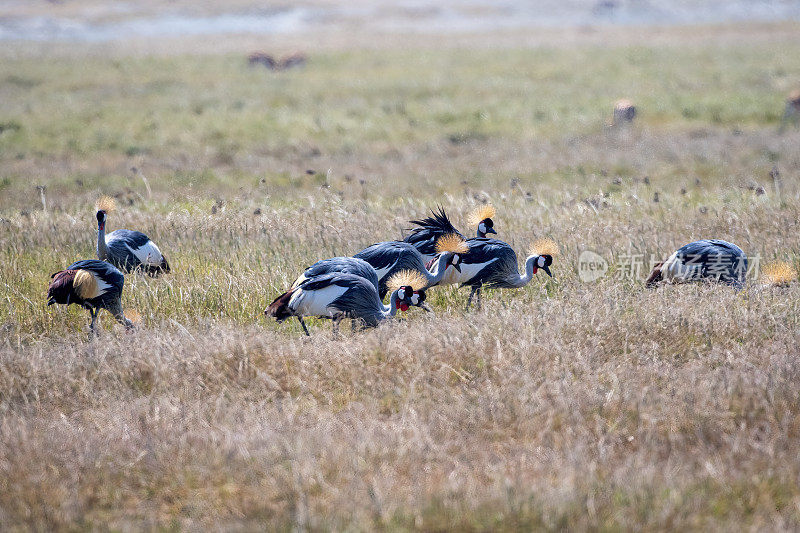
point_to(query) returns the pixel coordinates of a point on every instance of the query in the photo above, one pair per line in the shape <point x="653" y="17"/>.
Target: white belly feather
<point x="675" y="271"/>
<point x="316" y="302"/>
<point x="148" y="253"/>
<point x="468" y="271"/>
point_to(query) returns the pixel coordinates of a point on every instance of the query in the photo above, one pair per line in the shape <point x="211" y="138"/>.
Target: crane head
<point x="486" y="227"/>
<point x="482" y="217"/>
<point x="418" y="299"/>
<point x="104" y="206"/>
<point x="543" y="262"/>
<point x="101" y="219"/>
<point x="455" y="261"/>
<point x="408" y="297"/>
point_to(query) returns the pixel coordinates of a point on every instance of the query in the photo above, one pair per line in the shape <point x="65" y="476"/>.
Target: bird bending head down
<point x="482" y="217"/>
<point x="712" y="260"/>
<point x="454" y="244"/>
<point x="544" y="250"/>
<point x="408" y="285"/>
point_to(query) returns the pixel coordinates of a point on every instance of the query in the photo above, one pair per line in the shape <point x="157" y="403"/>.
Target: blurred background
<point x="104" y="21"/>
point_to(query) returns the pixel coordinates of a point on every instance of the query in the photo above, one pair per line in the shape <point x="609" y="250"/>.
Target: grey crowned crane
<point x="432" y="228"/>
<point x="493" y="263"/>
<point x="388" y="258"/>
<point x="708" y="259"/>
<point x="125" y="249"/>
<point x="344" y="265"/>
<point x="93" y="285"/>
<point x="338" y="296"/>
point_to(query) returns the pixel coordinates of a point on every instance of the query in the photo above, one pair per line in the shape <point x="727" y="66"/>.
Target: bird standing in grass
<point x="493" y="263"/>
<point x="707" y="259"/>
<point x="92" y="284"/>
<point x="125" y="249"/>
<point x="432" y="228"/>
<point x="388" y="258"/>
<point x="338" y="296"/>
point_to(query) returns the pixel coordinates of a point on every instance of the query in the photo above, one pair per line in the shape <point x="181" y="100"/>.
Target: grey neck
<point x="436" y="276"/>
<point x="521" y="281"/>
<point x="102" y="249"/>
<point x="392" y="306"/>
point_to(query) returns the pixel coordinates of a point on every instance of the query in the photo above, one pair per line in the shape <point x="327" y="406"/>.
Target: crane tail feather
<point x="279" y="308"/>
<point x="655" y="276"/>
<point x="61" y="287"/>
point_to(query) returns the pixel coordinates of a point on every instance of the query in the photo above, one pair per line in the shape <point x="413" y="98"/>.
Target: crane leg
<point x="478" y="305"/>
<point x="471" y="294"/>
<point x="92" y="330"/>
<point x="336" y="325"/>
<point x="304" y="326"/>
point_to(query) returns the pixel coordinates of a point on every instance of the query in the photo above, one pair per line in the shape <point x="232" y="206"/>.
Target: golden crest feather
<point x="779" y="273"/>
<point x="410" y="278"/>
<point x="452" y="242"/>
<point x="481" y="213"/>
<point x="544" y="246"/>
<point x="106" y="203"/>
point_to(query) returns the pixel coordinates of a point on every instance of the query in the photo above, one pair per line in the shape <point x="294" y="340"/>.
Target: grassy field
<point x="561" y="405"/>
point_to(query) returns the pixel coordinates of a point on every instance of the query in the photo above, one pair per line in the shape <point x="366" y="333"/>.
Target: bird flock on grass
<point x="434" y="253"/>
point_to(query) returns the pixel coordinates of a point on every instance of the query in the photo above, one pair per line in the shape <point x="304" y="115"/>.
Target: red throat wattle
<point x="404" y="307"/>
<point x="535" y="269"/>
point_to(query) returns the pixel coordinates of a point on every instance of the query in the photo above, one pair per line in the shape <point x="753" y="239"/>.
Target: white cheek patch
<point x="415" y="299"/>
<point x="482" y="227"/>
<point x="456" y="259"/>
<point x="401" y="294"/>
<point x="540" y="261"/>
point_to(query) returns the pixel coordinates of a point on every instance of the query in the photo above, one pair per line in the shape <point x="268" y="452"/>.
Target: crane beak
<point x="547" y="269"/>
<point x="491" y="230"/>
<point x="457" y="267"/>
<point x="426" y="307"/>
<point x="51" y="301"/>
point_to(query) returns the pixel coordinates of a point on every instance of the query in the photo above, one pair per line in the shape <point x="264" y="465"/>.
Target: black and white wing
<point x="128" y="250"/>
<point x="337" y="294"/>
<point x="110" y="280"/>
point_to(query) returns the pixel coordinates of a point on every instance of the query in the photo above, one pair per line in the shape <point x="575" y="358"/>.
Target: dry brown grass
<point x="561" y="405"/>
<point x="587" y="413"/>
